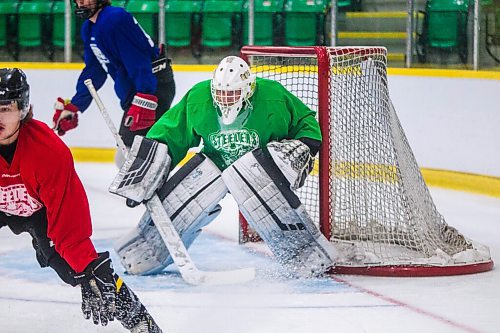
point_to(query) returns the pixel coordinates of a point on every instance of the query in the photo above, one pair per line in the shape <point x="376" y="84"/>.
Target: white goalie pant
<point x="277" y="215"/>
<point x="190" y="198"/>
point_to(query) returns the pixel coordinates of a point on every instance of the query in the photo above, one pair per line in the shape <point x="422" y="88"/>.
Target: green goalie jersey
<point x="275" y="114"/>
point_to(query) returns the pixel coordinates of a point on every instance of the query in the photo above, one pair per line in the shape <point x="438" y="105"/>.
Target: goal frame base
<point x="413" y="270"/>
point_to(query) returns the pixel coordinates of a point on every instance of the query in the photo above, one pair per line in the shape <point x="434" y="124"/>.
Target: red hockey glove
<point x="65" y="117"/>
<point x="142" y="112"/>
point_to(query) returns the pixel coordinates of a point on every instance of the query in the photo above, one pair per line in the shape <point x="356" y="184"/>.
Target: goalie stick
<point x="189" y="272"/>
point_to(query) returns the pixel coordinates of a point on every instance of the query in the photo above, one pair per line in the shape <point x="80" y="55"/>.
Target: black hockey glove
<point x="98" y="283"/>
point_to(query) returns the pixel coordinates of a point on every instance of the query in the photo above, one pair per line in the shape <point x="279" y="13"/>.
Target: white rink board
<point x="451" y="123"/>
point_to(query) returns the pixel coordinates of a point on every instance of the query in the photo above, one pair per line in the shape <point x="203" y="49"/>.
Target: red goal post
<point x="366" y="194"/>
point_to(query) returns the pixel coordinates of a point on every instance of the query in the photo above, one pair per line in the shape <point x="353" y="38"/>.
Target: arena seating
<point x="444" y="28"/>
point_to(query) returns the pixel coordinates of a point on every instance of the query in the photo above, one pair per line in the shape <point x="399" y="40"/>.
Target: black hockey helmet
<point x="88" y="12"/>
<point x="14" y="87"/>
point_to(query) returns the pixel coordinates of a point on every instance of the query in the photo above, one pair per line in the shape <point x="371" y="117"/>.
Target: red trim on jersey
<point x="43" y="164"/>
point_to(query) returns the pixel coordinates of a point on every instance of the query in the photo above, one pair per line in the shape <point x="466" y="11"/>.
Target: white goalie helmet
<point x="232" y="85"/>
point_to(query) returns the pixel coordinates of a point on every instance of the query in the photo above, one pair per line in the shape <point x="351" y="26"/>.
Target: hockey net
<point x="367" y="193"/>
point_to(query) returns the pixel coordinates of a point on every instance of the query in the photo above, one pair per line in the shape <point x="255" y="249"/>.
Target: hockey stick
<point x="189" y="272"/>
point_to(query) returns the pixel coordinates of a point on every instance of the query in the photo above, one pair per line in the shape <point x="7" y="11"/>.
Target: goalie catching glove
<point x="293" y="158"/>
<point x="65" y="116"/>
<point x="144" y="171"/>
<point x="142" y="112"/>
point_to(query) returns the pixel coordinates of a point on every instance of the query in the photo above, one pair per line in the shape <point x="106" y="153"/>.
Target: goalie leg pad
<point x="190" y="198"/>
<point x="277" y="215"/>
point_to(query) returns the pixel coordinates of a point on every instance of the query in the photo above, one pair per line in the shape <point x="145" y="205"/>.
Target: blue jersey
<point x="116" y="45"/>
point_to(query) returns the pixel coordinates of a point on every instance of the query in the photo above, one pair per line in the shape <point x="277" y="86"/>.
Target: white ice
<point x="34" y="300"/>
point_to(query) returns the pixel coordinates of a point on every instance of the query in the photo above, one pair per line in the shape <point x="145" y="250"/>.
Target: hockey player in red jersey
<point x="40" y="193"/>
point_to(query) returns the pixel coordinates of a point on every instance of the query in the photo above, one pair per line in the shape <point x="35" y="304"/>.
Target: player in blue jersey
<point x="115" y="44"/>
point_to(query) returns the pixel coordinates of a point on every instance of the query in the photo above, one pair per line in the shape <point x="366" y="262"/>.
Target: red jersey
<point x="42" y="174"/>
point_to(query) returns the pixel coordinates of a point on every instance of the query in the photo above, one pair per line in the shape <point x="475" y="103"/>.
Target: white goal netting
<point x="367" y="193"/>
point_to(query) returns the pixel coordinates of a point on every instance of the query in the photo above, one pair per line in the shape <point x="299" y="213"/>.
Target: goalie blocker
<point x="145" y="169"/>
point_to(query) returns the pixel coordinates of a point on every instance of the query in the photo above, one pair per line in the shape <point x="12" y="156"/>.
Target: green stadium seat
<point x="266" y="21"/>
<point x="180" y="16"/>
<point x="146" y="13"/>
<point x="30" y="29"/>
<point x="58" y="25"/>
<point x="447" y="22"/>
<point x="221" y="18"/>
<point x="304" y="22"/>
<point x="444" y="27"/>
<point x="7" y="10"/>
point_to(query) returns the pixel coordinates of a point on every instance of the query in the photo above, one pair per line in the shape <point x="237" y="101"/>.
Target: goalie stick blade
<point x="190" y="273"/>
<point x="197" y="277"/>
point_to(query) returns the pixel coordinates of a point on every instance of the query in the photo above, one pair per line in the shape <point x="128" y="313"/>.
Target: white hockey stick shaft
<point x="189" y="272"/>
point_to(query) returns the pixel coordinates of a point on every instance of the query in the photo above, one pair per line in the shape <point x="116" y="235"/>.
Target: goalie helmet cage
<point x="368" y="197"/>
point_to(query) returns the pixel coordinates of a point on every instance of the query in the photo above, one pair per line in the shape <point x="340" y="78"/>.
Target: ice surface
<point x="34" y="300"/>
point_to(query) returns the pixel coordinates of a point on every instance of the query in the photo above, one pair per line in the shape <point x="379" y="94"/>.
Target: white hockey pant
<point x="277" y="215"/>
<point x="190" y="198"/>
